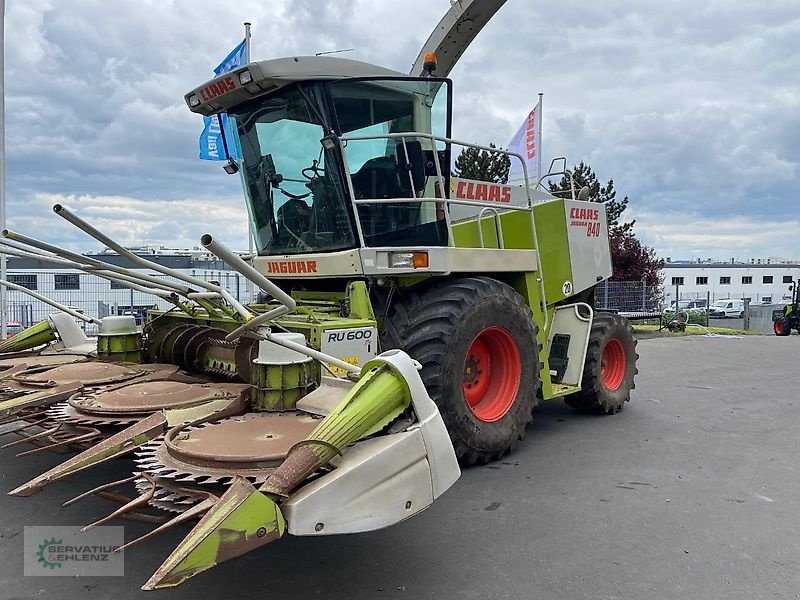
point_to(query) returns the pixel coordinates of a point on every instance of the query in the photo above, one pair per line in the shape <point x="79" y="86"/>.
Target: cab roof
<point x="233" y="88"/>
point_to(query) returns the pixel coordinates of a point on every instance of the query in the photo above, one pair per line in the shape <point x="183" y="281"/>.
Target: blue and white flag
<point x="211" y="142"/>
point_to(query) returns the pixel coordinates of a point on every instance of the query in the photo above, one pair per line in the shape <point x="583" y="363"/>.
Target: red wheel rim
<point x="612" y="365"/>
<point x="492" y="371"/>
<point x="778" y="327"/>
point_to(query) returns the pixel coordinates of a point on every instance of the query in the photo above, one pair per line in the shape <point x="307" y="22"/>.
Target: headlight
<point x="408" y="260"/>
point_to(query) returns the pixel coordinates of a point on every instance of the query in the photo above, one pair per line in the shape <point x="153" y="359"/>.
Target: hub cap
<point x="612" y="365"/>
<point x="492" y="371"/>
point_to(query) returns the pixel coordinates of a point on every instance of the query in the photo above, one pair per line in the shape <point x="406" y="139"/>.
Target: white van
<point x="727" y="308"/>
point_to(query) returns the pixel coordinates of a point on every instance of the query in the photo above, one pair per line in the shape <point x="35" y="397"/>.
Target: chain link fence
<point x="633" y="299"/>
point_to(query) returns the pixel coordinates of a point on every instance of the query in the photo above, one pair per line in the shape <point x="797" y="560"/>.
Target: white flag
<point x="526" y="142"/>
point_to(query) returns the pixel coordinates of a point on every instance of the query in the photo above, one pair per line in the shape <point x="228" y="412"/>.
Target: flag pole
<point x="250" y="241"/>
<point x="539" y="145"/>
<point x="247" y="41"/>
<point x="3" y="297"/>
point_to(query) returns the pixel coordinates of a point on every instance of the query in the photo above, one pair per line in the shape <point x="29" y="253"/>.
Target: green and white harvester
<point x="409" y="320"/>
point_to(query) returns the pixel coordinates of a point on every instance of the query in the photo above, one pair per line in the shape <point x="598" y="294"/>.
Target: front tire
<point x="476" y="340"/>
<point x="610" y="367"/>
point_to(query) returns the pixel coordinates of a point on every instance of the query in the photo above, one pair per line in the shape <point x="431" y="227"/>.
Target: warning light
<point x="429" y="63"/>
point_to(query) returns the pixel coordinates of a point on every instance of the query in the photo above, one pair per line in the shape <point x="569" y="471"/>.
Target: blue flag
<point x="211" y="142"/>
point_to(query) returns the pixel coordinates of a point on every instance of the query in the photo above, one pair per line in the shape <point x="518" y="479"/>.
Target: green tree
<point x="483" y="165"/>
<point x="582" y="175"/>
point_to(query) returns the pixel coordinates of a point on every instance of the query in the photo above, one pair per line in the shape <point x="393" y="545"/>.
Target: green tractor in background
<point x="788" y="318"/>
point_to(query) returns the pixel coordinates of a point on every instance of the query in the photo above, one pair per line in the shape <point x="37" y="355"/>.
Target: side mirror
<point x="410" y="166"/>
<point x="791" y="288"/>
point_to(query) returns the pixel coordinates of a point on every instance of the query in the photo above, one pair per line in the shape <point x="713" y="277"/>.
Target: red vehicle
<point x="13" y="328"/>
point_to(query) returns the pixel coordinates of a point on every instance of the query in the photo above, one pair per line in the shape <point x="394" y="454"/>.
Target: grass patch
<point x="692" y="330"/>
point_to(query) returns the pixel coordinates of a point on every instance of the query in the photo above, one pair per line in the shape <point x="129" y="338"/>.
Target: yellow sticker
<point x="353" y="360"/>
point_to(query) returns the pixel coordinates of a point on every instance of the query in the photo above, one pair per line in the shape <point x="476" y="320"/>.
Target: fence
<point x="99" y="298"/>
<point x="634" y="299"/>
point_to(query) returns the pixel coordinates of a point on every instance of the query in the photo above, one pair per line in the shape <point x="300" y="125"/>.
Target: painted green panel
<point x="516" y="227"/>
<point x="551" y="229"/>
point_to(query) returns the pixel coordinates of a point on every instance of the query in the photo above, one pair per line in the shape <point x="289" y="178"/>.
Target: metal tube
<point x="260" y="319"/>
<point x="17" y="246"/>
<point x="315" y="354"/>
<point x="446" y="200"/>
<point x="248" y="316"/>
<point x="236" y="263"/>
<point x="52" y="303"/>
<point x="165" y="292"/>
<point x="104" y="239"/>
<point x="98" y="264"/>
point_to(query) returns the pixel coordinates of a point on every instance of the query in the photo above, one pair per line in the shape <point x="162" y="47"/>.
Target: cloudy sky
<point x="692" y="108"/>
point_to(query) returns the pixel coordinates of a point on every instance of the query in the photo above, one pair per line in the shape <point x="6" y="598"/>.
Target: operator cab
<point x="311" y="148"/>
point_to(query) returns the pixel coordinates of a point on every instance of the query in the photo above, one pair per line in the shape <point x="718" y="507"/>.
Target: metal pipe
<point x="236" y="263"/>
<point x="315" y="354"/>
<point x="53" y="303"/>
<point x="12" y="251"/>
<point x="18" y="246"/>
<point x="103" y="266"/>
<point x="259" y="320"/>
<point x="131" y="282"/>
<point x="104" y="239"/>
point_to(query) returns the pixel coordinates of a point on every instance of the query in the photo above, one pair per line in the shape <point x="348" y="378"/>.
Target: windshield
<point x="721" y="303"/>
<point x="294" y="193"/>
<point x="375" y="108"/>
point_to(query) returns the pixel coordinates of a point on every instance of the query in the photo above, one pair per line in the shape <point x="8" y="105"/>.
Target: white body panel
<point x="329" y="264"/>
<point x="384" y="480"/>
<point x="587" y="235"/>
<point x="369" y="489"/>
<point x="569" y="321"/>
<point x="356" y="346"/>
<point x="72" y="337"/>
<point x="375" y="261"/>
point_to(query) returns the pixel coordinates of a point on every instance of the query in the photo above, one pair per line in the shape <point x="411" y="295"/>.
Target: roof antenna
<point x="334" y="51"/>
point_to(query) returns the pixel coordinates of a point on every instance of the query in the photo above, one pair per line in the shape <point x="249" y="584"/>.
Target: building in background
<point x="762" y="281"/>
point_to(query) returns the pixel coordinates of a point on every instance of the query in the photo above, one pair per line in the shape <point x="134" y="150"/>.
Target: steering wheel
<point x="315" y="170"/>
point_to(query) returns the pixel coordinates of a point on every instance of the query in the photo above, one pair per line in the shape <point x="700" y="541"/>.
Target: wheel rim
<point x="778" y="328"/>
<point x="492" y="371"/>
<point x="612" y="364"/>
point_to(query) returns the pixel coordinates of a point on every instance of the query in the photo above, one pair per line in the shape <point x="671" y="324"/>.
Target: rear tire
<point x="782" y="326"/>
<point x="476" y="340"/>
<point x="610" y="367"/>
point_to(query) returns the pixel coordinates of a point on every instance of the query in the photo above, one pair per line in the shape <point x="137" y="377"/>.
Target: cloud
<point x="681" y="235"/>
<point x="690" y="108"/>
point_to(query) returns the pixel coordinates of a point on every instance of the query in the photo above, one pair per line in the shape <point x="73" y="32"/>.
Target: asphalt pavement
<point x="692" y="492"/>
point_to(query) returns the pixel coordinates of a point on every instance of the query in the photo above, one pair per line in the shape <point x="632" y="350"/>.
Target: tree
<point x="633" y="261"/>
<point x="582" y="175"/>
<point x="483" y="165"/>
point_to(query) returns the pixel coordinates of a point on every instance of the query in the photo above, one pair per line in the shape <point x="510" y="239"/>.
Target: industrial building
<point x="761" y="281"/>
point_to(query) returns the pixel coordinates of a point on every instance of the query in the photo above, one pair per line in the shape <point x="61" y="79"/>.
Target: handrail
<point x="497" y="226"/>
<point x="440" y="179"/>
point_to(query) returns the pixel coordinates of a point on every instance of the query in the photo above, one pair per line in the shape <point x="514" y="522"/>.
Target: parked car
<point x="686" y="305"/>
<point x="727" y="308"/>
<point x="13" y="328"/>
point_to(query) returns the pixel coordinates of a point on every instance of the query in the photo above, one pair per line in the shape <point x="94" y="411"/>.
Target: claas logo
<point x="491" y="192"/>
